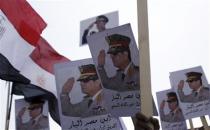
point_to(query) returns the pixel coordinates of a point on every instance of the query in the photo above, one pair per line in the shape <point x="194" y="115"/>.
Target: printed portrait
<point x="96" y="24"/>
<point x="31" y="115"/>
<point x="192" y="90"/>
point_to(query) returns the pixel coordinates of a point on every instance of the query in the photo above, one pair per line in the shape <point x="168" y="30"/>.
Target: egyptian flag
<point x="20" y="29"/>
<point x="12" y="45"/>
<point x="9" y="73"/>
<point x="39" y="66"/>
<point x="24" y="18"/>
<point x="32" y="92"/>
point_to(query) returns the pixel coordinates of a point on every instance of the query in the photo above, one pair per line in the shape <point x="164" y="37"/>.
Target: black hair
<point x="103" y="17"/>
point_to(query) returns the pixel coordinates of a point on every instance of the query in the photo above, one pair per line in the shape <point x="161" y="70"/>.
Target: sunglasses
<point x="90" y="78"/>
<point x="192" y="80"/>
<point x="100" y="20"/>
<point x="171" y="101"/>
<point x="114" y="53"/>
<point x="32" y="108"/>
<point x="85" y="80"/>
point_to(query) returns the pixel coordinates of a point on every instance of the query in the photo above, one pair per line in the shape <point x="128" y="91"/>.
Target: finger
<point x="103" y="51"/>
<point x="73" y="79"/>
<point x="155" y="123"/>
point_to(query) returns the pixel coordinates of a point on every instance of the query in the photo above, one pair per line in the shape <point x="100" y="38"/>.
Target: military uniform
<point x="117" y="83"/>
<point x="85" y="34"/>
<point x="122" y="81"/>
<point x="175" y="116"/>
<point x="88" y="106"/>
<point x="85" y="108"/>
<point x="40" y="124"/>
<point x="201" y="95"/>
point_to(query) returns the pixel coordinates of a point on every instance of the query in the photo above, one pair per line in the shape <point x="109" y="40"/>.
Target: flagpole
<point x="8" y="92"/>
<point x="8" y="106"/>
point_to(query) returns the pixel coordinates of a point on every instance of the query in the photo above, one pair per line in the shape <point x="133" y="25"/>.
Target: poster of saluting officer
<point x="31" y="115"/>
<point x="116" y="57"/>
<point x="193" y="91"/>
<point x="80" y="97"/>
<point x="170" y="112"/>
<point x="97" y="24"/>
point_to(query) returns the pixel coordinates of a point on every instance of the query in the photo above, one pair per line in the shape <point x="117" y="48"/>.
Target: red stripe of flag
<point x="24" y="18"/>
<point x="39" y="66"/>
<point x="45" y="56"/>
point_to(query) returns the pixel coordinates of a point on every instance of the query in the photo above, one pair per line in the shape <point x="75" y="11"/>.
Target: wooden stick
<point x="191" y="124"/>
<point x="204" y="122"/>
<point x="145" y="79"/>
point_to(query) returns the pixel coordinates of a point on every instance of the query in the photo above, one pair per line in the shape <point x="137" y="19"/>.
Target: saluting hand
<point x="181" y="84"/>
<point x="162" y="105"/>
<point x="21" y="112"/>
<point x="67" y="87"/>
<point x="101" y="58"/>
<point x="91" y="25"/>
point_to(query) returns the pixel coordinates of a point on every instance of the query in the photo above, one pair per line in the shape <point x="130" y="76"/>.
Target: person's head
<point x="194" y="80"/>
<point x="101" y="21"/>
<point x="119" y="50"/>
<point x="89" y="81"/>
<point x="172" y="100"/>
<point x="35" y="108"/>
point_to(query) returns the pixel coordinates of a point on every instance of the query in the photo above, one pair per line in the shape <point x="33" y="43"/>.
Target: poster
<point x="96" y="24"/>
<point x="31" y="115"/>
<point x="116" y="57"/>
<point x="171" y="115"/>
<point x="81" y="98"/>
<point x="192" y="89"/>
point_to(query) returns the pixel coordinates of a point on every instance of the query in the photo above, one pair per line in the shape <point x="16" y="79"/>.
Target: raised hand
<point x="162" y="105"/>
<point x="21" y="112"/>
<point x="91" y="25"/>
<point x="101" y="58"/>
<point x="67" y="87"/>
<point x="181" y="84"/>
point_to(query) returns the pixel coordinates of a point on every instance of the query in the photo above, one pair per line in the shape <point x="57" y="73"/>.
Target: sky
<point x="179" y="33"/>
